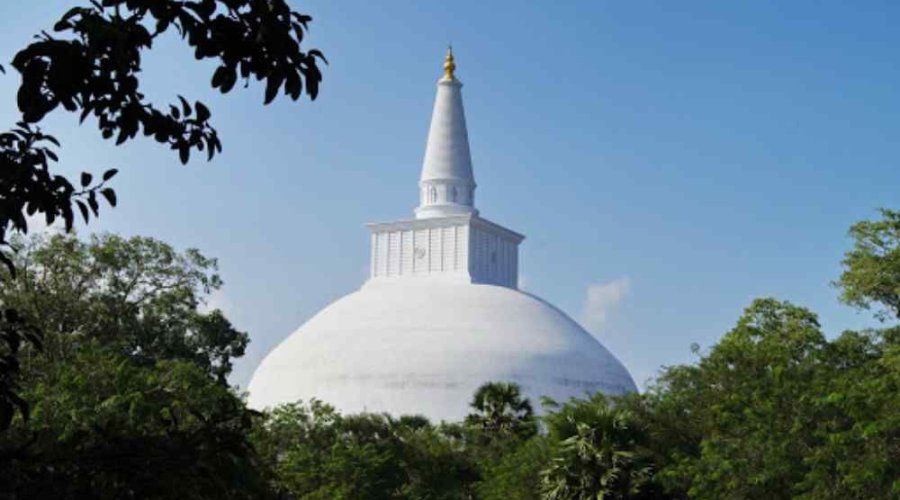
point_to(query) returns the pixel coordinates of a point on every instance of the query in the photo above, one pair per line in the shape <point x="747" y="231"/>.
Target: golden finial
<point x="449" y="65"/>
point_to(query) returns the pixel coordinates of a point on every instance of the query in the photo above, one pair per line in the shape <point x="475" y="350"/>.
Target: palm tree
<point x="501" y="410"/>
<point x="599" y="455"/>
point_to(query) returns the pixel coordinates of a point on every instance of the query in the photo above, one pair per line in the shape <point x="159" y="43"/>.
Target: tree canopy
<point x="131" y="400"/>
<point x="91" y="64"/>
<point x="137" y="295"/>
<point x="104" y="426"/>
<point x="600" y="452"/>
<point x="871" y="274"/>
<point x="500" y="410"/>
<point x="129" y="393"/>
<point x="317" y="453"/>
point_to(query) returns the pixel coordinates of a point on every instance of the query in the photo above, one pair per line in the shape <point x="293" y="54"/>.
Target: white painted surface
<point x="431" y="324"/>
<point x="447" y="184"/>
<point x="424" y="346"/>
<point x="464" y="248"/>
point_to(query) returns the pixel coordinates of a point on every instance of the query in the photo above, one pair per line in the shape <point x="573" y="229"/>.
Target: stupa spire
<point x="447" y="185"/>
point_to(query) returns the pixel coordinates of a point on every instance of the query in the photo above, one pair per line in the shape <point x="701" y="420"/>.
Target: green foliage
<point x="316" y="453"/>
<point x="437" y="465"/>
<point x="776" y="411"/>
<point x="750" y="391"/>
<point x="871" y="274"/>
<point x="137" y="295"/>
<point x="131" y="401"/>
<point x="501" y="412"/>
<point x="326" y="455"/>
<point x="599" y="453"/>
<point x="104" y="426"/>
<point x="516" y="473"/>
<point x="15" y="333"/>
<point x="496" y="435"/>
<point x="91" y="65"/>
<point x="129" y="397"/>
<point x="856" y="425"/>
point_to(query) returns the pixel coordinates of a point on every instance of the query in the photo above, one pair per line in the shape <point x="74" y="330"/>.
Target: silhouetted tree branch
<point x="91" y="65"/>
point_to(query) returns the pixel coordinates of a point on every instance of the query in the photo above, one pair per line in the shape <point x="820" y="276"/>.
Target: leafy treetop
<point x="871" y="274"/>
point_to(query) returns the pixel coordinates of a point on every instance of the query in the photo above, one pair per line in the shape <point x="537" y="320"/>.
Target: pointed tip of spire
<point x="449" y="65"/>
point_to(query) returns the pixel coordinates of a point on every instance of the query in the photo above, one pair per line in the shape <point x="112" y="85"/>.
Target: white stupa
<point x="441" y="313"/>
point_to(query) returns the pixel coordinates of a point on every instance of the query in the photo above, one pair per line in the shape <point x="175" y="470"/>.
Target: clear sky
<point x="667" y="161"/>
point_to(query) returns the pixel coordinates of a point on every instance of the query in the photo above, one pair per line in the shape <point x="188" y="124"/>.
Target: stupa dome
<point x="441" y="313"/>
<point x="420" y="347"/>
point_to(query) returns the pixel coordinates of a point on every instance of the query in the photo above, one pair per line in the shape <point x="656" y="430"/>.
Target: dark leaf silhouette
<point x="203" y="113"/>
<point x="110" y="196"/>
<point x="84" y="210"/>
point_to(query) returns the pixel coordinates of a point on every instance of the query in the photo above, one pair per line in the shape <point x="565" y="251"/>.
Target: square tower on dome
<point x="447" y="239"/>
<point x="467" y="248"/>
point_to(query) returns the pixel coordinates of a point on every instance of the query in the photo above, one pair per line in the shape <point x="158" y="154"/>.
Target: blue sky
<point x="677" y="159"/>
